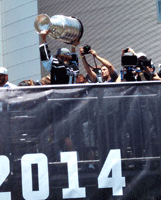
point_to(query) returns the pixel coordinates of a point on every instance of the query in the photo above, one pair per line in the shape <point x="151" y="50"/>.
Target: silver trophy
<point x="66" y="29"/>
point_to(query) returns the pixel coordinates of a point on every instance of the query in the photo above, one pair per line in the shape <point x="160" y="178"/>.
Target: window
<point x="159" y="9"/>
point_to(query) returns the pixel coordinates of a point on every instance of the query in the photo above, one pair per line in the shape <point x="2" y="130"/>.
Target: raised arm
<point x="103" y="61"/>
<point x="76" y="43"/>
<point x="87" y="67"/>
<point x="45" y="55"/>
<point x="43" y="35"/>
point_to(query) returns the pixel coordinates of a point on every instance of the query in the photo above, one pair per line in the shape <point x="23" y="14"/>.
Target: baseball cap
<point x="3" y="70"/>
<point x="63" y="51"/>
<point x="141" y="54"/>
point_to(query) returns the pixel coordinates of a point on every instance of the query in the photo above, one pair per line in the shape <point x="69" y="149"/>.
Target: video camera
<point x="159" y="73"/>
<point x="143" y="63"/>
<point x="131" y="65"/>
<point x="130" y="60"/>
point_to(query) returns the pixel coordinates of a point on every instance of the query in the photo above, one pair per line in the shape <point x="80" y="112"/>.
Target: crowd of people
<point x="63" y="67"/>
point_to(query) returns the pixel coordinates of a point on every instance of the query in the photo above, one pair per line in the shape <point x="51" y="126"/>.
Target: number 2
<point x="4" y="172"/>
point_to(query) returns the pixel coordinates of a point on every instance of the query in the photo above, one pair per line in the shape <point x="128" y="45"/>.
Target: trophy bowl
<point x="66" y="29"/>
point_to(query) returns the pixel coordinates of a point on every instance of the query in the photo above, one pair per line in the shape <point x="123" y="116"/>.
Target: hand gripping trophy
<point x="66" y="29"/>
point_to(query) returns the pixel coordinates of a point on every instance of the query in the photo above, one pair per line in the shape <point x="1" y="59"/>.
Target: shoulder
<point x="43" y="45"/>
<point x="10" y="85"/>
<point x="114" y="76"/>
<point x="55" y="61"/>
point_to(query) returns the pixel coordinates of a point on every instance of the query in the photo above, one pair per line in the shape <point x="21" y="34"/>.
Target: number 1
<point x="74" y="191"/>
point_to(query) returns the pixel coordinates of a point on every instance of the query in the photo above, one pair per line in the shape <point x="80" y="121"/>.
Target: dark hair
<point x="27" y="83"/>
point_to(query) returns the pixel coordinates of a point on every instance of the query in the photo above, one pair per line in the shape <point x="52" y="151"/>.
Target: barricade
<point x="87" y="141"/>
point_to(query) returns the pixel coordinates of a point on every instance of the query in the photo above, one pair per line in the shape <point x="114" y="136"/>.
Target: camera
<point x="129" y="62"/>
<point x="86" y="49"/>
<point x="159" y="73"/>
<point x="143" y="63"/>
<point x="128" y="59"/>
<point x="132" y="66"/>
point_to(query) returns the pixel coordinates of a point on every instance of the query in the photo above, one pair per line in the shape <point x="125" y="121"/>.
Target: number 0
<point x="43" y="177"/>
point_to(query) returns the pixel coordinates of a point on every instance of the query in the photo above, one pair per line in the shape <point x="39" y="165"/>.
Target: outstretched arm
<point x="103" y="61"/>
<point x="76" y="43"/>
<point x="87" y="67"/>
<point x="43" y="35"/>
<point x="45" y="55"/>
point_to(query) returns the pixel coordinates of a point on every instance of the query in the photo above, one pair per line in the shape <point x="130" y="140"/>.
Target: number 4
<point x="116" y="182"/>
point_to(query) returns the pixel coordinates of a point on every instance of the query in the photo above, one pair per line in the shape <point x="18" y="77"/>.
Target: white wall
<point x="19" y="39"/>
<point x="1" y="44"/>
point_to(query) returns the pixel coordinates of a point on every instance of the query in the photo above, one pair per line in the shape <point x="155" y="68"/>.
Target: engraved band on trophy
<point x="66" y="29"/>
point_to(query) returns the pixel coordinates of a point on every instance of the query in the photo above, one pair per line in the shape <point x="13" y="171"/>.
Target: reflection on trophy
<point x="66" y="29"/>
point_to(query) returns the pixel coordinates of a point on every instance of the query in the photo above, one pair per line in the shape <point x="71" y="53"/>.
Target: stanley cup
<point x="66" y="29"/>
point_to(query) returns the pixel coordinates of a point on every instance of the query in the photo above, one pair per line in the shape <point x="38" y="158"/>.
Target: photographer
<point x="137" y="67"/>
<point x="158" y="74"/>
<point x="108" y="72"/>
<point x="63" y="66"/>
<point x="146" y="67"/>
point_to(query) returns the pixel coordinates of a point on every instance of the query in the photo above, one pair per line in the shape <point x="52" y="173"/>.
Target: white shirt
<point x="10" y="85"/>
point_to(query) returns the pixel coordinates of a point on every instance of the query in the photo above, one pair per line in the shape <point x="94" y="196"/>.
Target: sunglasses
<point x="65" y="58"/>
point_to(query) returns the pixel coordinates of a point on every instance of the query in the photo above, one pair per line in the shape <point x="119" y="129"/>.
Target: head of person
<point x="46" y="80"/>
<point x="147" y="62"/>
<point x="63" y="55"/>
<point x="29" y="82"/>
<point x="3" y="76"/>
<point x="105" y="72"/>
<point x="80" y="79"/>
<point x="141" y="55"/>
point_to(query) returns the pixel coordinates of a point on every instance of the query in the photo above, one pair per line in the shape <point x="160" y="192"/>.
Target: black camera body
<point x="128" y="59"/>
<point x="159" y="72"/>
<point x="86" y="49"/>
<point x="131" y="65"/>
<point x="143" y="63"/>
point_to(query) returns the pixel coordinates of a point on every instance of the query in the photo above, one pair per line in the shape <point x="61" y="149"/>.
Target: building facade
<point x="18" y="40"/>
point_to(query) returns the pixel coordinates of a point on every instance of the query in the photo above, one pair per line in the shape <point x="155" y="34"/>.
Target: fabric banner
<point x="89" y="141"/>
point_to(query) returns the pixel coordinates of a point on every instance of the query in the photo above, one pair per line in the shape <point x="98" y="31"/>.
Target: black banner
<point x="91" y="141"/>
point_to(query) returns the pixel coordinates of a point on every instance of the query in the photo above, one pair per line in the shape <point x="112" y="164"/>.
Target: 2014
<point x="112" y="162"/>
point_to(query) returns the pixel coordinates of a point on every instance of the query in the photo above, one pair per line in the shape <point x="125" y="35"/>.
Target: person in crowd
<point x="108" y="72"/>
<point x="143" y="70"/>
<point x="4" y="78"/>
<point x="97" y="70"/>
<point x="63" y="66"/>
<point x="81" y="79"/>
<point x="66" y="144"/>
<point x="29" y="82"/>
<point x="46" y="80"/>
<point x="148" y="73"/>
